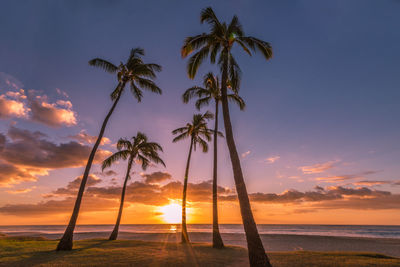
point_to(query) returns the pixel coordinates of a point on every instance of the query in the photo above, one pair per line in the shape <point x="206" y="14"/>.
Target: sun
<point x="171" y="213"/>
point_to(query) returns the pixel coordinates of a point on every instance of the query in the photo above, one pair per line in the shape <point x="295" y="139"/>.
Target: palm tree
<point x="139" y="75"/>
<point x="199" y="134"/>
<point x="138" y="149"/>
<point x="217" y="44"/>
<point x="212" y="91"/>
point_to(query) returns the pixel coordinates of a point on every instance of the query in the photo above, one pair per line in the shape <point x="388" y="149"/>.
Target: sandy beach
<point x="272" y="242"/>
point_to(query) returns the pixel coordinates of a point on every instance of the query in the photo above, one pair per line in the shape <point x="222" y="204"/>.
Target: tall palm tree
<point x="217" y="44"/>
<point x="138" y="148"/>
<point x="212" y="91"/>
<point x="138" y="75"/>
<point x="199" y="134"/>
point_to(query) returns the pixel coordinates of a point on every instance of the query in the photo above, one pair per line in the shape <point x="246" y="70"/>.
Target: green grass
<point x="99" y="252"/>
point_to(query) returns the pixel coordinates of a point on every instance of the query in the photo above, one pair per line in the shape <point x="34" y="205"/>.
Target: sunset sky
<point x="319" y="138"/>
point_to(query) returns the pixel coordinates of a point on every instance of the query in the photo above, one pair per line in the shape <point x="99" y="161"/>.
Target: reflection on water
<point x="172" y="228"/>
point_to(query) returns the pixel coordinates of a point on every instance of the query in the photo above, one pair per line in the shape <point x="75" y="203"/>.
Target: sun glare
<point x="171" y="213"/>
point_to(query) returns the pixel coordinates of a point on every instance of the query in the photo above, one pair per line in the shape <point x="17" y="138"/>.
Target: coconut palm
<point x="139" y="76"/>
<point x="211" y="90"/>
<point x="138" y="149"/>
<point x="199" y="135"/>
<point x="217" y="45"/>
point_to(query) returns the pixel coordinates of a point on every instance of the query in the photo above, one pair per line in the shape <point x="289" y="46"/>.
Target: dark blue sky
<point x="330" y="93"/>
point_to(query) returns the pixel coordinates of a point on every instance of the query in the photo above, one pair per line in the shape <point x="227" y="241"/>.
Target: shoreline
<point x="272" y="242"/>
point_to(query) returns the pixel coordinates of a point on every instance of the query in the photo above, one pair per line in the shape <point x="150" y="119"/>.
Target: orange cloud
<point x="84" y="138"/>
<point x="52" y="114"/>
<point x="272" y="159"/>
<point x="10" y="108"/>
<point x="21" y="191"/>
<point x="318" y="168"/>
<point x="341" y="178"/>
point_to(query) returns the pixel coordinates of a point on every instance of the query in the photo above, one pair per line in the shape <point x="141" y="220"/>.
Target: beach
<point x="39" y="251"/>
<point x="272" y="242"/>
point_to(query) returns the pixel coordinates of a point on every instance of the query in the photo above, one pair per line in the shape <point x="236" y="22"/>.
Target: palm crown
<point x="137" y="148"/>
<point x="211" y="90"/>
<point x="135" y="72"/>
<point x="197" y="130"/>
<point x="218" y="43"/>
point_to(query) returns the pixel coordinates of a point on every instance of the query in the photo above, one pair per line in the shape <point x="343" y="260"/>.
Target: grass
<point x="99" y="252"/>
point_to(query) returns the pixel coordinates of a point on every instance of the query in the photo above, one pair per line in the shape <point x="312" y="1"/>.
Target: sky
<point x="319" y="136"/>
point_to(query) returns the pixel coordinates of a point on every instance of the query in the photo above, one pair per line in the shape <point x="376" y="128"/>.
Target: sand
<point x="272" y="242"/>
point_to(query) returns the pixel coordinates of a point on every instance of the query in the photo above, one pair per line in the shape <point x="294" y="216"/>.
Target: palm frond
<point x="148" y="85"/>
<point x="137" y="93"/>
<point x="136" y="53"/>
<point x="202" y="102"/>
<point x="257" y="44"/>
<point x="180" y="137"/>
<point x="180" y="130"/>
<point x="208" y="15"/>
<point x="203" y="144"/>
<point x="123" y="143"/>
<point x="208" y="115"/>
<point x="235" y="98"/>
<point x="190" y="93"/>
<point x="235" y="28"/>
<point x="122" y="154"/>
<point x="193" y="43"/>
<point x="196" y="60"/>
<point x="103" y="64"/>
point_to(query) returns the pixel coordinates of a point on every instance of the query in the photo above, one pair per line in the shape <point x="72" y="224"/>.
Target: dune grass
<point x="99" y="252"/>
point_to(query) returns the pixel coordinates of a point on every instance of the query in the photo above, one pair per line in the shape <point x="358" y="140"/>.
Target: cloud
<point x="156" y="177"/>
<point x="64" y="103"/>
<point x="10" y="174"/>
<point x="12" y="108"/>
<point x="318" y="168"/>
<point x="14" y="103"/>
<point x="245" y="154"/>
<point x="272" y="159"/>
<point x="51" y="114"/>
<point x="84" y="138"/>
<point x="21" y="191"/>
<point x="25" y="155"/>
<point x="372" y="183"/>
<point x="62" y="93"/>
<point x="331" y="197"/>
<point x="72" y="187"/>
<point x="344" y="177"/>
<point x="33" y="149"/>
<point x="56" y="207"/>
<point x="109" y="173"/>
<point x="9" y="82"/>
<point x="103" y="198"/>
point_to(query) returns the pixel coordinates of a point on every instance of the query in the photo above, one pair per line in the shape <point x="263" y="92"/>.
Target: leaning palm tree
<point x="199" y="134"/>
<point x="139" y="76"/>
<point x="139" y="149"/>
<point x="217" y="44"/>
<point x="212" y="91"/>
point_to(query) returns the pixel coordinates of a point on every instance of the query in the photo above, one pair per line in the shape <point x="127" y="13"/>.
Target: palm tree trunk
<point x="114" y="233"/>
<point x="257" y="255"/>
<point x="185" y="236"/>
<point x="66" y="240"/>
<point x="217" y="239"/>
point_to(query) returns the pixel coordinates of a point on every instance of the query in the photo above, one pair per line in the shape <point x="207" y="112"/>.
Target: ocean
<point x="372" y="231"/>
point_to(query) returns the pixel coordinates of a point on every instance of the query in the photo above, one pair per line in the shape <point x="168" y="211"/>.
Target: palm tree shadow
<point x="42" y="257"/>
